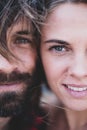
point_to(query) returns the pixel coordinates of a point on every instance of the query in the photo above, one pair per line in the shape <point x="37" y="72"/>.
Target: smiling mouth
<point x="76" y="89"/>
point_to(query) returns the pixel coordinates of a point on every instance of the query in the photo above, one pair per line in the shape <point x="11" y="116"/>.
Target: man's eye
<point x="21" y="40"/>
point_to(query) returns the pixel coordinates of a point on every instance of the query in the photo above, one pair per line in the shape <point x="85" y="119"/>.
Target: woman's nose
<point x="78" y="66"/>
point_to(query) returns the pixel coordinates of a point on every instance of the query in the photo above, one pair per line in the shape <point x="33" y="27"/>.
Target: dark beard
<point x="12" y="103"/>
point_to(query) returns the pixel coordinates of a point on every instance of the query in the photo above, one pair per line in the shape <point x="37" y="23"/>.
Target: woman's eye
<point x="59" y="48"/>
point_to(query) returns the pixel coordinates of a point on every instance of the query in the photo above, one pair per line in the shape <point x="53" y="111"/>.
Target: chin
<point x="12" y="103"/>
<point x="76" y="107"/>
<point x="11" y="110"/>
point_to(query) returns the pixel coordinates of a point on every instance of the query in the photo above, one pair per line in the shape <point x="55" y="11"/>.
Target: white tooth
<point x="77" y="89"/>
<point x="69" y="87"/>
<point x="84" y="88"/>
<point x="81" y="89"/>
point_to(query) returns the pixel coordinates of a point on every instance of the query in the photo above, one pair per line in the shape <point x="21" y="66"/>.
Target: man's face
<point x="16" y="76"/>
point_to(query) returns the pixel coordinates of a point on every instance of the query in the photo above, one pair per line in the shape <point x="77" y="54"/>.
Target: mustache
<point x="14" y="76"/>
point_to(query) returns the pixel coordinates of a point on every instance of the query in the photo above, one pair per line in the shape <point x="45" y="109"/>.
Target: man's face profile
<point x="16" y="76"/>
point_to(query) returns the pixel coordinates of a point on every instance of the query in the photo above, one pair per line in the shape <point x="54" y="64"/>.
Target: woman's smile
<point x="64" y="54"/>
<point x="77" y="91"/>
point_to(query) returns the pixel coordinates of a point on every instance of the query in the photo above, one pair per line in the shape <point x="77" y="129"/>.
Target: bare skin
<point x="64" y="58"/>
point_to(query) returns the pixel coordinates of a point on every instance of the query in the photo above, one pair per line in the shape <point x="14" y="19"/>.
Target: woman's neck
<point x="65" y="119"/>
<point x="76" y="119"/>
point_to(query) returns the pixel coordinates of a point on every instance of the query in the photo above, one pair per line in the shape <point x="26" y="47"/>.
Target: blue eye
<point x="22" y="40"/>
<point x="59" y="48"/>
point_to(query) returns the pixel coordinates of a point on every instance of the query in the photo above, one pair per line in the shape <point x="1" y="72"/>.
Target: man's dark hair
<point x="12" y="11"/>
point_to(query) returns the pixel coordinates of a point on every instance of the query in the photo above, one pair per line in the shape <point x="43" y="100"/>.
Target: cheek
<point x="54" y="65"/>
<point x="28" y="61"/>
<point x="55" y="68"/>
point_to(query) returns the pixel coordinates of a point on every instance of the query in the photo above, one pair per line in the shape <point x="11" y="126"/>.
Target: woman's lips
<point x="77" y="88"/>
<point x="76" y="91"/>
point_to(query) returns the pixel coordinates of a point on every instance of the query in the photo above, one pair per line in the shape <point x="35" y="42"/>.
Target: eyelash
<point x="59" y="48"/>
<point x="22" y="40"/>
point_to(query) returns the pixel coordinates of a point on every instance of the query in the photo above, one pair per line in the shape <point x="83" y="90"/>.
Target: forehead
<point x="67" y="19"/>
<point x="19" y="25"/>
<point x="69" y="12"/>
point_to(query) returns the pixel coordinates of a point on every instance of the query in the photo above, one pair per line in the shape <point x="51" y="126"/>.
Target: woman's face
<point x="64" y="54"/>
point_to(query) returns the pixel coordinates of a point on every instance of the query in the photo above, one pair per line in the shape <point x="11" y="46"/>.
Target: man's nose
<point x="6" y="66"/>
<point x="78" y="66"/>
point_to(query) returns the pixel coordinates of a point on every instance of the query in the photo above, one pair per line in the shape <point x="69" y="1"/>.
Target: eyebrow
<point x="23" y="32"/>
<point x="57" y="41"/>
